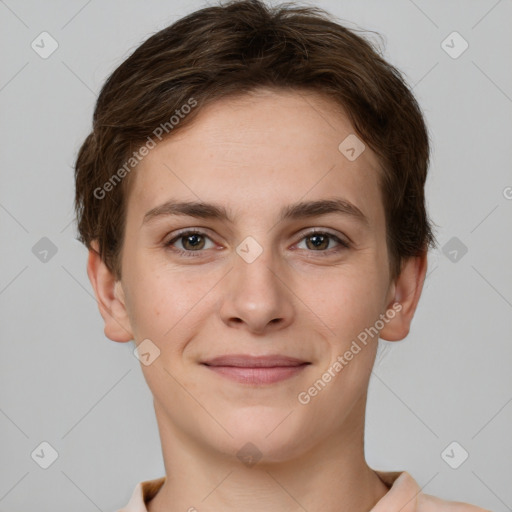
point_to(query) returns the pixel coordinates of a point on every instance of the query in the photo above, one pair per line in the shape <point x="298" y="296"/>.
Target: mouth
<point x="256" y="370"/>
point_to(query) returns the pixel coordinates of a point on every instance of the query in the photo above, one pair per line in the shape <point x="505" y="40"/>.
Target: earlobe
<point x="109" y="296"/>
<point x="408" y="287"/>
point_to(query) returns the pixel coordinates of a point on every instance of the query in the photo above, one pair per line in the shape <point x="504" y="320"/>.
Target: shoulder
<point x="406" y="495"/>
<point x="144" y="491"/>
<point x="428" y="503"/>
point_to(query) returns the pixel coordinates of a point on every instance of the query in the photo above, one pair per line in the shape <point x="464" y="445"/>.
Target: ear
<point x="110" y="297"/>
<point x="405" y="291"/>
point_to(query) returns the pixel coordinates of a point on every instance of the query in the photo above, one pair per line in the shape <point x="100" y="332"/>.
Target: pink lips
<point x="256" y="370"/>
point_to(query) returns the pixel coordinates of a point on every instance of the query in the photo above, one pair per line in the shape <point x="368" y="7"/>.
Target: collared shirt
<point x="404" y="495"/>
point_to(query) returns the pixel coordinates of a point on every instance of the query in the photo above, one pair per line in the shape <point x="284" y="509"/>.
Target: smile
<point x="258" y="375"/>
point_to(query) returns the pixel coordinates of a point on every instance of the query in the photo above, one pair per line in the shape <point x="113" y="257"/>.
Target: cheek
<point x="165" y="303"/>
<point x="347" y="301"/>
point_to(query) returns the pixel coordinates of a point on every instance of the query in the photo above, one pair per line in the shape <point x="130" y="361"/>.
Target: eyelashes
<point x="186" y="234"/>
<point x="197" y="239"/>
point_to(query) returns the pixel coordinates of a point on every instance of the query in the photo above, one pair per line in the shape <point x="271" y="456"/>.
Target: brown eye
<point x="190" y="241"/>
<point x="320" y="242"/>
<point x="317" y="241"/>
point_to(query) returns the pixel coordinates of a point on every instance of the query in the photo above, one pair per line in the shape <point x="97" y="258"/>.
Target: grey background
<point x="64" y="382"/>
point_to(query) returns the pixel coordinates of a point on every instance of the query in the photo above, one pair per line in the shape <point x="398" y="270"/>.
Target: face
<point x="297" y="269"/>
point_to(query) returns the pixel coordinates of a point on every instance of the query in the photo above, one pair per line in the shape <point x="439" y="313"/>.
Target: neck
<point x="332" y="476"/>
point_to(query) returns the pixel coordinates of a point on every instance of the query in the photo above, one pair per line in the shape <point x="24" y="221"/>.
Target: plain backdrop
<point x="64" y="383"/>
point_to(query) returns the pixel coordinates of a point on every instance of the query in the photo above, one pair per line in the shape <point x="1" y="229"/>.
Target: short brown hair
<point x="233" y="49"/>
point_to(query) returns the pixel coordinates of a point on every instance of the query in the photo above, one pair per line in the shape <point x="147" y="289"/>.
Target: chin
<point x="263" y="434"/>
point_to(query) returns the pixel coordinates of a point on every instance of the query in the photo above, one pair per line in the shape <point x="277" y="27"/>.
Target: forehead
<point x="262" y="149"/>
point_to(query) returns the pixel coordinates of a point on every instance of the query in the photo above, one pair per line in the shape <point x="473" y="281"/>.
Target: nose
<point x="257" y="297"/>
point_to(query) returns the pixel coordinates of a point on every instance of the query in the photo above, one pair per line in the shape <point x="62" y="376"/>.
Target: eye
<point x="319" y="241"/>
<point x="192" y="241"/>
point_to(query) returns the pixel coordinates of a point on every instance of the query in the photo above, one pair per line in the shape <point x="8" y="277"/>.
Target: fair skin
<point x="254" y="156"/>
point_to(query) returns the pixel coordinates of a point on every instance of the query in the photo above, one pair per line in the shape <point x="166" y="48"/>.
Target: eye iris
<point x="193" y="240"/>
<point x="319" y="240"/>
<point x="316" y="241"/>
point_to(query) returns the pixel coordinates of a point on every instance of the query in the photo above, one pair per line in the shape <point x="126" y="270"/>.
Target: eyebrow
<point x="300" y="210"/>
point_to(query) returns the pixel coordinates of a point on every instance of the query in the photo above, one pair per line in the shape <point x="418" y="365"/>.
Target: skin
<point x="256" y="154"/>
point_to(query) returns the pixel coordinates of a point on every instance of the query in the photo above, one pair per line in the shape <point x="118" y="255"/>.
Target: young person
<point x="252" y="198"/>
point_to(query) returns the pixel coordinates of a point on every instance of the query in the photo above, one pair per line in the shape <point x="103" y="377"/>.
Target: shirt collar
<point x="403" y="493"/>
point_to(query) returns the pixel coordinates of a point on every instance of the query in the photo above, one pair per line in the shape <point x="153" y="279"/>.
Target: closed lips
<point x="244" y="361"/>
